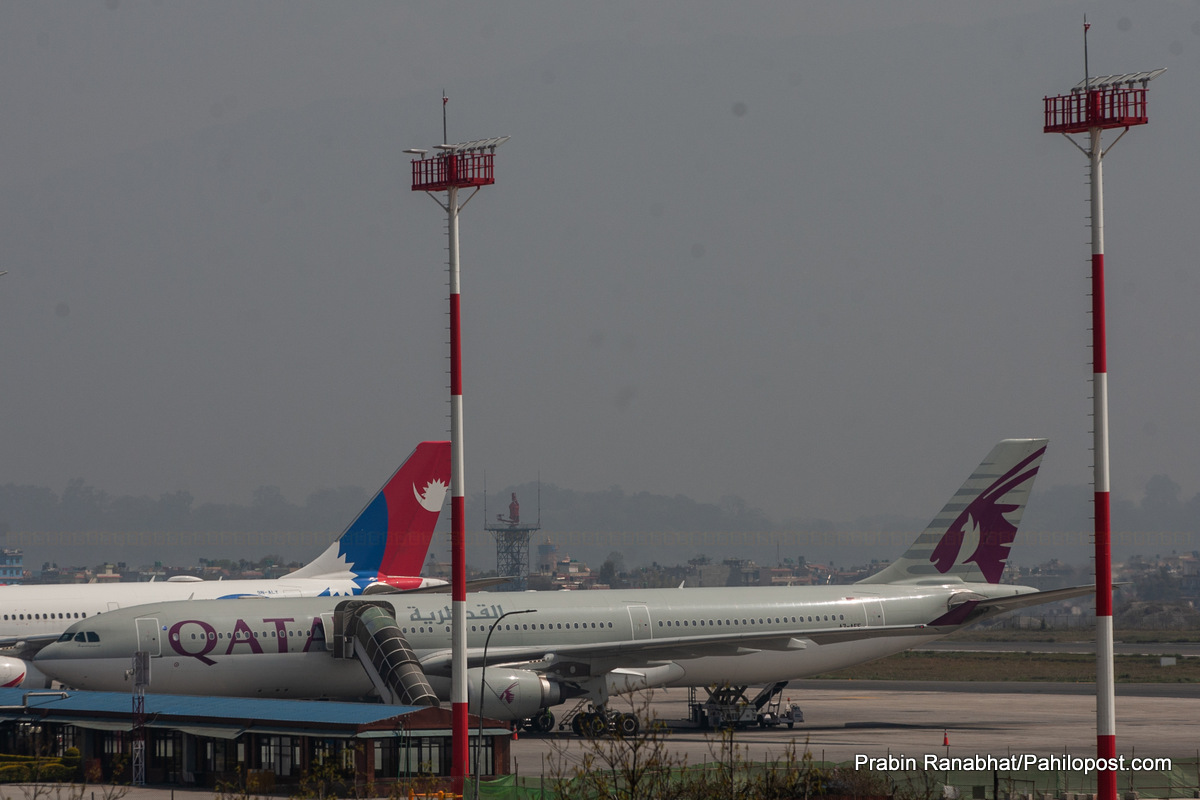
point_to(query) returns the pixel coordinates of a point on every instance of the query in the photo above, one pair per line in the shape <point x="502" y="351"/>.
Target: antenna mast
<point x="1091" y="107"/>
<point x="468" y="165"/>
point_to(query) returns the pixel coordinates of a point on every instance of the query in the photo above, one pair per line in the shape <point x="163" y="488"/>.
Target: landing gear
<point x="541" y="722"/>
<point x="598" y="721"/>
<point x="593" y="725"/>
<point x="593" y="722"/>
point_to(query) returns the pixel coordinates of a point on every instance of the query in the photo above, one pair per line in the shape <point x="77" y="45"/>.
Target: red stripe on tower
<point x="1099" y="332"/>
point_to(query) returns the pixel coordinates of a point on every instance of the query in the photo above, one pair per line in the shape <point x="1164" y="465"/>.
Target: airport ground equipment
<point x="367" y="630"/>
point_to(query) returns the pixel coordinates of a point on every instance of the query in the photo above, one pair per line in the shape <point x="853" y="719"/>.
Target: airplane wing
<point x="25" y="646"/>
<point x="645" y="651"/>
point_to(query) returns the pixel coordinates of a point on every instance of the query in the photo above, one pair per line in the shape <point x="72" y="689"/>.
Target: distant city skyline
<point x="643" y="527"/>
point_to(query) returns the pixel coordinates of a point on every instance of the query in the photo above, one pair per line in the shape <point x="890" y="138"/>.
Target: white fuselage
<point x="280" y="647"/>
<point x="48" y="609"/>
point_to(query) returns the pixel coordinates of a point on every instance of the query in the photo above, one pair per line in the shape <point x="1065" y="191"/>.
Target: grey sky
<point x="820" y="256"/>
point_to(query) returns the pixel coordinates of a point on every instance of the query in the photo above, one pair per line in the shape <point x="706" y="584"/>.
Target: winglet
<point x="391" y="536"/>
<point x="970" y="539"/>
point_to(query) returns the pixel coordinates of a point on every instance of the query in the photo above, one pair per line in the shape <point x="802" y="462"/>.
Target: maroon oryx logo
<point x="985" y="516"/>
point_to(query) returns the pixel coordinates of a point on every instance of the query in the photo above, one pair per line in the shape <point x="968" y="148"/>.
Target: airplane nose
<point x="47" y="653"/>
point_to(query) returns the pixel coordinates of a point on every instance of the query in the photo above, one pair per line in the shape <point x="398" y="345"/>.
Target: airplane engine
<point x="18" y="674"/>
<point x="511" y="693"/>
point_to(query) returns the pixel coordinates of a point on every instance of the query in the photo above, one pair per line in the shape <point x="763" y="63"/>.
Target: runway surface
<point x="844" y="719"/>
<point x="1185" y="649"/>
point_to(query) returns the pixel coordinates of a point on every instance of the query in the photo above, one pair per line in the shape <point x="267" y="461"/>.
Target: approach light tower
<point x="512" y="544"/>
<point x="456" y="166"/>
<point x="1093" y="106"/>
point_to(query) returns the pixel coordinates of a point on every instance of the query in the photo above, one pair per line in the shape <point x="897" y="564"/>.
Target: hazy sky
<point x="818" y="255"/>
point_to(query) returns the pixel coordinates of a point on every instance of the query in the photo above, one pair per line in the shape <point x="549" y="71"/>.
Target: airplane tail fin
<point x="970" y="539"/>
<point x="391" y="535"/>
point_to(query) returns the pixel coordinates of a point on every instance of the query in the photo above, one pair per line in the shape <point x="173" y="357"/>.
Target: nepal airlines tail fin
<point x="970" y="538"/>
<point x="388" y="541"/>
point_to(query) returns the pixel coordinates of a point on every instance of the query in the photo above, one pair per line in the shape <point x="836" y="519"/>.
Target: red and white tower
<point x="456" y="166"/>
<point x="1093" y="106"/>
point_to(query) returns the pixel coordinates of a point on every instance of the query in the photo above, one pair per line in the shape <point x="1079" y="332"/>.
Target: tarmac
<point x="845" y="719"/>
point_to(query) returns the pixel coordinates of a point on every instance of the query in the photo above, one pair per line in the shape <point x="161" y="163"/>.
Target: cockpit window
<point x="79" y="637"/>
<point x="66" y="637"/>
<point x="92" y="636"/>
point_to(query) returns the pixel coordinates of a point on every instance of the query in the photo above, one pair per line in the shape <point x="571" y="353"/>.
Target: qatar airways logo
<point x="196" y="638"/>
<point x="432" y="497"/>
<point x="509" y="694"/>
<point x="983" y="523"/>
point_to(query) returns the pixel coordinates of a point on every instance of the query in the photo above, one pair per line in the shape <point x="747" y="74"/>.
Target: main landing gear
<point x="593" y="722"/>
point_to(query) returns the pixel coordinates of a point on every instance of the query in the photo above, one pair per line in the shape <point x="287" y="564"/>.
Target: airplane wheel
<point x="544" y="721"/>
<point x="594" y="726"/>
<point x="577" y="724"/>
<point x="628" y="725"/>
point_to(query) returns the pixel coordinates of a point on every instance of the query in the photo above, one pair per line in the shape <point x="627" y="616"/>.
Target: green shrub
<point x="14" y="773"/>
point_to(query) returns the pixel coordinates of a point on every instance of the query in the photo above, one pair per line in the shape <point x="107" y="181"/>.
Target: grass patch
<point x="1052" y="667"/>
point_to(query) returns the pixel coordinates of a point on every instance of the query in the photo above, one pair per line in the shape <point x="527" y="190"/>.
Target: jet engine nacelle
<point x="15" y="673"/>
<point x="510" y="693"/>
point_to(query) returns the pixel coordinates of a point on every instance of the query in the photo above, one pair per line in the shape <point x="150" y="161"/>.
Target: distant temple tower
<point x="512" y="545"/>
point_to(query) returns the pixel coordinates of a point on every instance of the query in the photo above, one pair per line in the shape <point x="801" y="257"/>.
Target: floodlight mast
<point x="1093" y="106"/>
<point x="454" y="167"/>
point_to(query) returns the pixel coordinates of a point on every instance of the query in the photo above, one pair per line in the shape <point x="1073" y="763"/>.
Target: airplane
<point x="549" y="647"/>
<point x="384" y="548"/>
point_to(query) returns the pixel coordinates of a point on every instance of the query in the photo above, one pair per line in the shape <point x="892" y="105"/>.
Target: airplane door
<point x="639" y="618"/>
<point x="148" y="636"/>
<point x="874" y="609"/>
<point x="328" y="631"/>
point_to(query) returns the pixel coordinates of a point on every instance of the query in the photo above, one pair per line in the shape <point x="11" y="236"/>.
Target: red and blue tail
<point x="390" y="538"/>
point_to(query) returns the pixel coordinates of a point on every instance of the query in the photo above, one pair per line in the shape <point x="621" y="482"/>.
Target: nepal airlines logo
<point x="984" y="523"/>
<point x="432" y="497"/>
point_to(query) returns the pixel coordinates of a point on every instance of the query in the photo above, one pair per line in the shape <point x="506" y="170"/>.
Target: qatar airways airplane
<point x="383" y="549"/>
<point x="563" y="645"/>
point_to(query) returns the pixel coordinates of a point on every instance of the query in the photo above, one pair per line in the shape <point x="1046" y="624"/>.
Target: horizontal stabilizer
<point x="476" y="585"/>
<point x="982" y="608"/>
<point x="1037" y="598"/>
